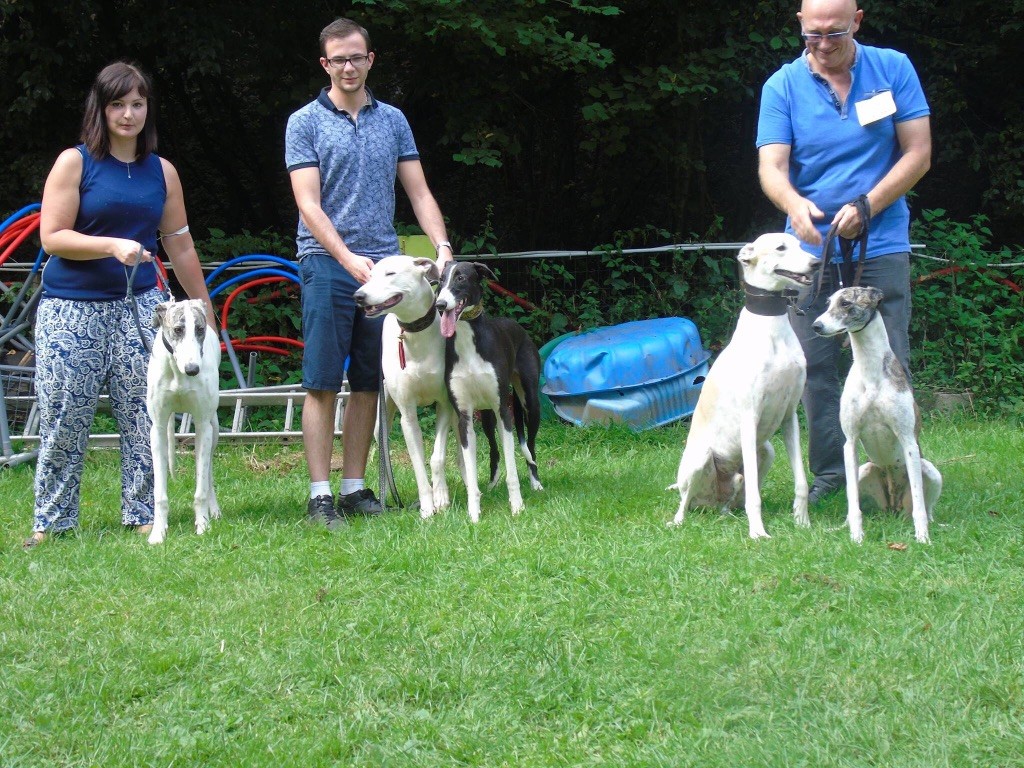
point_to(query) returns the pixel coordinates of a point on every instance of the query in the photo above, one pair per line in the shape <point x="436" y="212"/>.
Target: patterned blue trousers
<point x="83" y="347"/>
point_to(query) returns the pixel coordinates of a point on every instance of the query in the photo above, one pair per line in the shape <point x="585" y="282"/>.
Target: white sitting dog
<point x="183" y="377"/>
<point x="412" y="361"/>
<point x="878" y="409"/>
<point x="752" y="389"/>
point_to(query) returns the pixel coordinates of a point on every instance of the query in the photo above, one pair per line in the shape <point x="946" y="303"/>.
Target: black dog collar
<point x="418" y="325"/>
<point x="768" y="303"/>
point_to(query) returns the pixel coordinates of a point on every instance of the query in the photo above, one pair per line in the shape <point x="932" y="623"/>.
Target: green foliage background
<point x="546" y="125"/>
<point x="572" y="120"/>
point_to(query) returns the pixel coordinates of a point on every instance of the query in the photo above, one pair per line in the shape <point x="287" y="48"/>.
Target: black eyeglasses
<point x="358" y="62"/>
<point x="817" y="37"/>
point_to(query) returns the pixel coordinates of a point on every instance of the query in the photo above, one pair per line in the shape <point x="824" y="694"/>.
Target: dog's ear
<point x="746" y="254"/>
<point x="429" y="268"/>
<point x="874" y="296"/>
<point x="484" y="272"/>
<point x="159" y="311"/>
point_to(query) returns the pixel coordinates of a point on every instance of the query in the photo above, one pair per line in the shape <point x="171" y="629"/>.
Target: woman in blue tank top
<point x="105" y="202"/>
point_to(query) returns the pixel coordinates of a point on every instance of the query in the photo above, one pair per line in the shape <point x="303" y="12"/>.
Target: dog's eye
<point x="845" y="303"/>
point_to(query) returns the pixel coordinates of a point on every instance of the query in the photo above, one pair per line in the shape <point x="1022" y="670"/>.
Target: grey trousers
<point x="891" y="275"/>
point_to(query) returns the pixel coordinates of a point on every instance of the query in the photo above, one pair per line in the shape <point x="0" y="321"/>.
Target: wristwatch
<point x="443" y="244"/>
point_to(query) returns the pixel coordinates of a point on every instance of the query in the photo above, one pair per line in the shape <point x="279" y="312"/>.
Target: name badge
<point x="875" y="107"/>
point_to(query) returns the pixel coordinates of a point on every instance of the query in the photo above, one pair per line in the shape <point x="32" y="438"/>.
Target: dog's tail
<point x="519" y="417"/>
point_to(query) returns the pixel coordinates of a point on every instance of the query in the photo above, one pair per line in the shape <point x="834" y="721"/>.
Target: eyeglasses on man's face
<point x="339" y="62"/>
<point x="817" y="37"/>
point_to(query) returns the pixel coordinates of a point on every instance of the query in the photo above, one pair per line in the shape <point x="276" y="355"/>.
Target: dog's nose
<point x="192" y="369"/>
<point x="817" y="326"/>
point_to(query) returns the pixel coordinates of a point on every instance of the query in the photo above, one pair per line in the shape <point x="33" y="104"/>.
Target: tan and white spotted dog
<point x="878" y="410"/>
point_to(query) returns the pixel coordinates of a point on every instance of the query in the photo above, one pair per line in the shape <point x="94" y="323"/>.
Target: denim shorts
<point x="334" y="328"/>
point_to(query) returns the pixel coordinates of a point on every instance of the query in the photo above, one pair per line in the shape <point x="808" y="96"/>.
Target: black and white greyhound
<point x="487" y="359"/>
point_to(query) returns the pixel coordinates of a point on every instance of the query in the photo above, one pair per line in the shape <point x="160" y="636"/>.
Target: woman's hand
<point x="127" y="251"/>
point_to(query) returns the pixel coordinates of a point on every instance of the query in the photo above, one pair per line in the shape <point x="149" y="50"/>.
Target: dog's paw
<point x="759" y="533"/>
<point x="535" y="484"/>
<point x="202" y="526"/>
<point x="857" y="537"/>
<point x="426" y="511"/>
<point x="442" y="499"/>
<point x="922" y="537"/>
<point x="157" y="536"/>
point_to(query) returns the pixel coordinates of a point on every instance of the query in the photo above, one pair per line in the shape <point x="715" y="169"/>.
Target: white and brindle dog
<point x="878" y="409"/>
<point x="487" y="359"/>
<point x="183" y="377"/>
<point x="752" y="389"/>
<point x="412" y="361"/>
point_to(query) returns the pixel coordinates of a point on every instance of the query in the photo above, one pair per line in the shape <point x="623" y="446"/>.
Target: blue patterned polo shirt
<point x="358" y="164"/>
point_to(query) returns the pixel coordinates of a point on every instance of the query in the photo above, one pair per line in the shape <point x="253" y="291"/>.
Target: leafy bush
<point x="577" y="294"/>
<point x="968" y="315"/>
<point x="966" y="329"/>
<point x="220" y="246"/>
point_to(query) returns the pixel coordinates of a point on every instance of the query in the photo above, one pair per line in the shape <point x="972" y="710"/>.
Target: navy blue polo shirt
<point x="358" y="162"/>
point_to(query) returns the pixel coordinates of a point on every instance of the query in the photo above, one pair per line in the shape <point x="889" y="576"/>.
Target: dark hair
<point x="113" y="82"/>
<point x="342" y="28"/>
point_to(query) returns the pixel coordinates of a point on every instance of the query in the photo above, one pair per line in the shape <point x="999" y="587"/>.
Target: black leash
<point x="134" y="304"/>
<point x="386" y="475"/>
<point x="847" y="271"/>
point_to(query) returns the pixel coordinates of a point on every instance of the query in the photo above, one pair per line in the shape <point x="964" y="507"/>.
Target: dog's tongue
<point x="448" y="320"/>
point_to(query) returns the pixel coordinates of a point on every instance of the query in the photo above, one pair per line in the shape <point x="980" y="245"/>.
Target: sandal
<point x="34" y="540"/>
<point x="144" y="530"/>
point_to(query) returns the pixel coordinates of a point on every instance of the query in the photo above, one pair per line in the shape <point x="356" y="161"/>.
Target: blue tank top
<point x="115" y="200"/>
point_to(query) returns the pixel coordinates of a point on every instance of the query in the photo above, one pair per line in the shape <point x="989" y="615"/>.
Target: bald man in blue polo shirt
<point x="844" y="120"/>
<point x="343" y="152"/>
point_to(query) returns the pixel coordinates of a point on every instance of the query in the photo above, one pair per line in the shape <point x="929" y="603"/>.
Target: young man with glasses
<point x="343" y="152"/>
<point x="841" y="121"/>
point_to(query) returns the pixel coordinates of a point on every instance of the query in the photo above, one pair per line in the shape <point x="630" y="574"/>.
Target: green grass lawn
<point x="583" y="632"/>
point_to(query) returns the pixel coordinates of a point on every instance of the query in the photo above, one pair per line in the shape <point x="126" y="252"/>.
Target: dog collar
<point x="472" y="313"/>
<point x="418" y="325"/>
<point x="167" y="346"/>
<point x="768" y="303"/>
